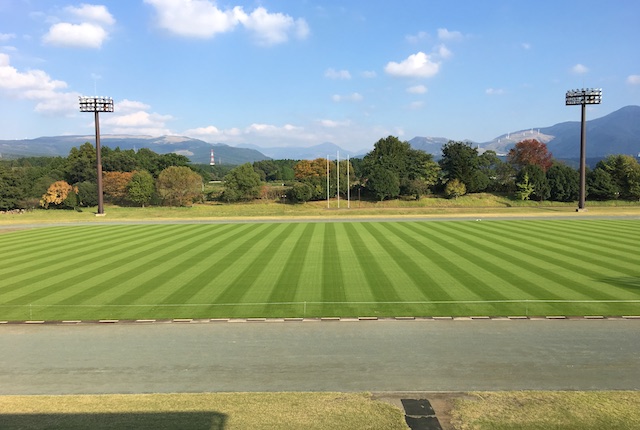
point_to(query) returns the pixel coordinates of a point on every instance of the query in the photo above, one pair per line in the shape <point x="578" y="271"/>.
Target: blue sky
<point x="304" y="72"/>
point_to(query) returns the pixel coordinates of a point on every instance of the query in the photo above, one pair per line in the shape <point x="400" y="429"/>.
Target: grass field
<point x="306" y="269"/>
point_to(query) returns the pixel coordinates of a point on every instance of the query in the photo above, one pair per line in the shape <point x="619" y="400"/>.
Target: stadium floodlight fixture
<point x="97" y="105"/>
<point x="583" y="97"/>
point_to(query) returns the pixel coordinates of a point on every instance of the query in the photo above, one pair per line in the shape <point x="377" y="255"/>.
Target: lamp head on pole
<point x="588" y="96"/>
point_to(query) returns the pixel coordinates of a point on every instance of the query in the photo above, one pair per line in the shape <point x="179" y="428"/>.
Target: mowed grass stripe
<point x="423" y="283"/>
<point x="382" y="288"/>
<point x="522" y="261"/>
<point x="206" y="277"/>
<point x="290" y="279"/>
<point x="72" y="267"/>
<point x="262" y="253"/>
<point x="333" y="285"/>
<point x="566" y="258"/>
<point x="119" y="288"/>
<point x="176" y="266"/>
<point x="74" y="243"/>
<point x="76" y="276"/>
<point x="585" y="239"/>
<point x="465" y="262"/>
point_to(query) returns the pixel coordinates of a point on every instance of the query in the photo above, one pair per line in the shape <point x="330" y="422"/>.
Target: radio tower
<point x="213" y="160"/>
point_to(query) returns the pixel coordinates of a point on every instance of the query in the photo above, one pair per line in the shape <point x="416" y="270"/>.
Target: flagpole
<point x="348" y="186"/>
<point x="327" y="182"/>
<point x="338" y="176"/>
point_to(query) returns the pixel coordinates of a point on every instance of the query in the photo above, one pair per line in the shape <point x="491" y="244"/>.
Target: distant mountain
<point x="198" y="151"/>
<point x="305" y="153"/>
<point x="616" y="133"/>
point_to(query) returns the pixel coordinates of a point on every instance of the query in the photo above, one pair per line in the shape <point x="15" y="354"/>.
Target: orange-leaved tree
<point x="115" y="185"/>
<point x="58" y="193"/>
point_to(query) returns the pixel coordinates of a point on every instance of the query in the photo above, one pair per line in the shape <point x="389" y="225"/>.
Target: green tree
<point x="87" y="193"/>
<point x="242" y="183"/>
<point x="300" y="192"/>
<point x="538" y="181"/>
<point x="179" y="186"/>
<point x="81" y="164"/>
<point x="140" y="188"/>
<point x="384" y="183"/>
<point x="625" y="174"/>
<point x="454" y="189"/>
<point x="11" y="188"/>
<point x="460" y="161"/>
<point x="524" y="188"/>
<point x="415" y="170"/>
<point x="564" y="183"/>
<point x="600" y="185"/>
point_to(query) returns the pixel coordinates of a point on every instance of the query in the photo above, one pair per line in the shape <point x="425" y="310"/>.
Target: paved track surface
<point x="320" y="356"/>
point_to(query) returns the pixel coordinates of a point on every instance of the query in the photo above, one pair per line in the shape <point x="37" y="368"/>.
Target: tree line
<point x="393" y="169"/>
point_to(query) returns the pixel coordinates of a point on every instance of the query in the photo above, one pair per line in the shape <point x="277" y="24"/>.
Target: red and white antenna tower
<point x="213" y="160"/>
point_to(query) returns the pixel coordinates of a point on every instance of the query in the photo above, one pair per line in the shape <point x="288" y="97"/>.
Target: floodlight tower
<point x="584" y="97"/>
<point x="97" y="105"/>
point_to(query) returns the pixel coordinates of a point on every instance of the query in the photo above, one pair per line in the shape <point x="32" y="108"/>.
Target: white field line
<point x="436" y="302"/>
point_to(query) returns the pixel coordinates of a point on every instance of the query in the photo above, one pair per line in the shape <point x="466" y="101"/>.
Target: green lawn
<point x="516" y="267"/>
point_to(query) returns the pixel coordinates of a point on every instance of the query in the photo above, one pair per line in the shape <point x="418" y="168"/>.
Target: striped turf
<point x="540" y="267"/>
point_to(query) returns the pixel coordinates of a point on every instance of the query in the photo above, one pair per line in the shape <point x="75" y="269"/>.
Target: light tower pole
<point x="583" y="97"/>
<point x="97" y="105"/>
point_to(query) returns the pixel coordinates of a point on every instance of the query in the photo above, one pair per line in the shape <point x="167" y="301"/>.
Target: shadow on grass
<point x="628" y="282"/>
<point x="120" y="421"/>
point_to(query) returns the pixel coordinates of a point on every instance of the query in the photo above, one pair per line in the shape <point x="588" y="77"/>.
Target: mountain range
<point x="615" y="133"/>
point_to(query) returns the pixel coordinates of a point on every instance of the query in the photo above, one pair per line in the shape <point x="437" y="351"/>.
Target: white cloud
<point x="526" y="46"/>
<point x="132" y="117"/>
<point x="4" y="37"/>
<point x="443" y="51"/>
<point x="92" y="13"/>
<point x="494" y="91"/>
<point x="273" y="28"/>
<point x="194" y="18"/>
<point x="38" y="86"/>
<point x="633" y="79"/>
<point x="417" y="89"/>
<point x="329" y="123"/>
<point x="369" y="74"/>
<point x="417" y="65"/>
<point x="353" y="97"/>
<point x="85" y="35"/>
<point x="337" y="74"/>
<point x="579" y="69"/>
<point x="203" y="19"/>
<point x="415" y="38"/>
<point x="444" y="34"/>
<point x="416" y="105"/>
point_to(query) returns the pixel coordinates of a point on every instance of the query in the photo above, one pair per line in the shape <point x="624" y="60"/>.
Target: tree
<point x="242" y="183"/>
<point x="460" y="161"/>
<point x="538" y="181"/>
<point x="384" y="183"/>
<point x="299" y="192"/>
<point x="81" y="164"/>
<point x="493" y="172"/>
<point x="140" y="188"/>
<point x="564" y="183"/>
<point x="625" y="174"/>
<point x="530" y="152"/>
<point x="525" y="189"/>
<point x="11" y="188"/>
<point x="59" y="193"/>
<point x="87" y="194"/>
<point x="415" y="170"/>
<point x="115" y="185"/>
<point x="600" y="185"/>
<point x="454" y="189"/>
<point x="179" y="186"/>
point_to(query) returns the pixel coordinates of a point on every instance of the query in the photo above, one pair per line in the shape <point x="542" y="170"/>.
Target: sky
<point x="304" y="72"/>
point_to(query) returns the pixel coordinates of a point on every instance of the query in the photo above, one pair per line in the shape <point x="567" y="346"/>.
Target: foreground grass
<point x="316" y="269"/>
<point x="534" y="410"/>
<point x="220" y="411"/>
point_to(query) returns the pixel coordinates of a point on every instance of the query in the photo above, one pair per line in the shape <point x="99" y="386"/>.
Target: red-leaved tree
<point x="530" y="152"/>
